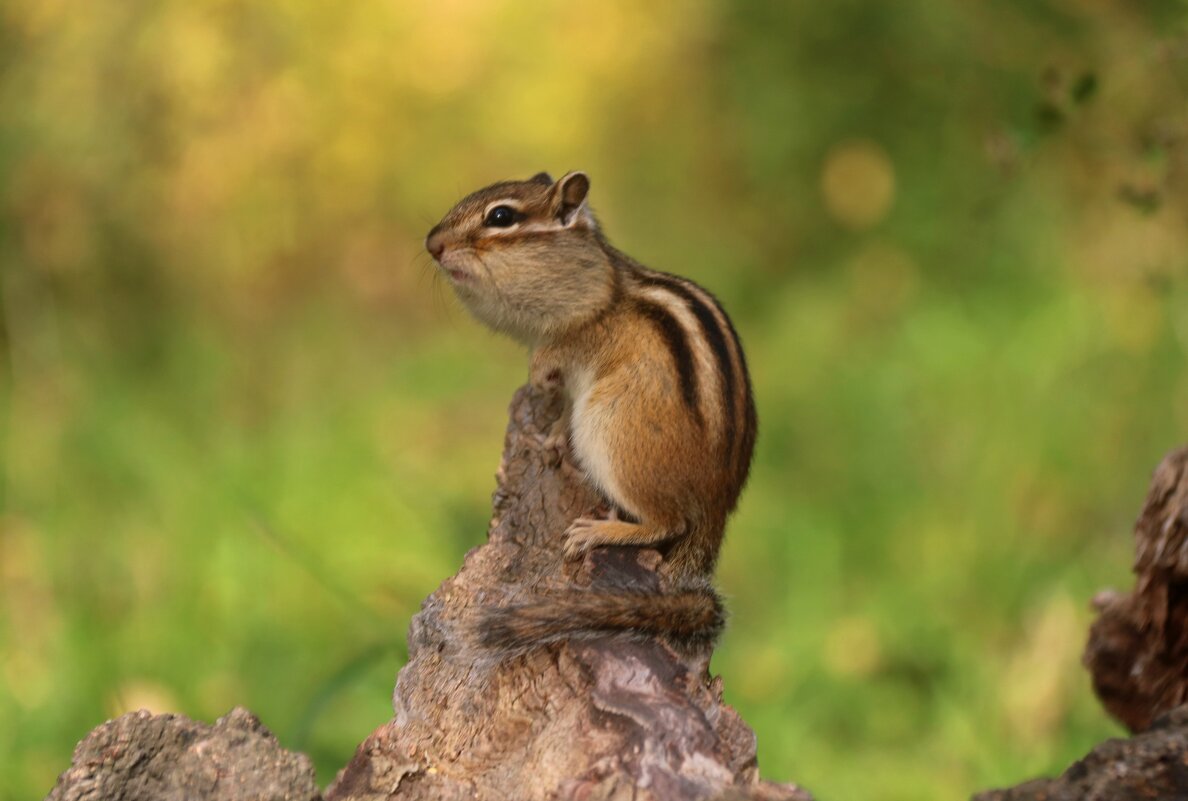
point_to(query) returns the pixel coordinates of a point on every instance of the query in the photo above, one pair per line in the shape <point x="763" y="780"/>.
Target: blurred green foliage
<point x="246" y="429"/>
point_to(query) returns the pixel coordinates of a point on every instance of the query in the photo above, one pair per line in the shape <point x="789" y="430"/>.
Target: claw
<point x="580" y="537"/>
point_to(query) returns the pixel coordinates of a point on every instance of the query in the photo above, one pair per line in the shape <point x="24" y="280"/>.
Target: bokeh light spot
<point x="858" y="183"/>
<point x="853" y="648"/>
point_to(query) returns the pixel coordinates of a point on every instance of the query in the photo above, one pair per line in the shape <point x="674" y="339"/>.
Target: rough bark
<point x="144" y="757"/>
<point x="603" y="718"/>
<point x="1151" y="765"/>
<point x="1138" y="646"/>
<point x="1138" y="657"/>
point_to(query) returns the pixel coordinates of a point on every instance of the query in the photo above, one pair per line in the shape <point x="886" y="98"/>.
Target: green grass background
<point x="246" y="429"/>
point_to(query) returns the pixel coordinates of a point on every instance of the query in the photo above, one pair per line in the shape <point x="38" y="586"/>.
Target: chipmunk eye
<point x="501" y="217"/>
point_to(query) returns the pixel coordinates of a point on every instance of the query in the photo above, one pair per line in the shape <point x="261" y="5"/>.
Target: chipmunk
<point x="659" y="412"/>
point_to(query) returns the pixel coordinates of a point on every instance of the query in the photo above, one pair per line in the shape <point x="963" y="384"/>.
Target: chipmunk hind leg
<point x="697" y="553"/>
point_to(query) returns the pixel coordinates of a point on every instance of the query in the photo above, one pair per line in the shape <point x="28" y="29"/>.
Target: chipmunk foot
<point x="584" y="534"/>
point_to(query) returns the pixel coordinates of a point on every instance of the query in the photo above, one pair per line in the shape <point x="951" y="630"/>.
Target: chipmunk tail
<point x="688" y="618"/>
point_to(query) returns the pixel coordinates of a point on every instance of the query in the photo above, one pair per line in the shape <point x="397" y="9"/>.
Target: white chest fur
<point x="591" y="432"/>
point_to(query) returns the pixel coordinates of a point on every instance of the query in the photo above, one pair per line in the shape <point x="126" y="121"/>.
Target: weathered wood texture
<point x="1152" y="765"/>
<point x="601" y="718"/>
<point x="1138" y="646"/>
<point x="143" y="757"/>
<point x="1138" y="657"/>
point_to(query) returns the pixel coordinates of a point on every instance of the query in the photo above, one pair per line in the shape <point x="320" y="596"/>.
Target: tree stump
<point x="604" y="718"/>
<point x="1138" y="646"/>
<point x="1138" y="657"/>
<point x="1151" y="765"/>
<point x="143" y="757"/>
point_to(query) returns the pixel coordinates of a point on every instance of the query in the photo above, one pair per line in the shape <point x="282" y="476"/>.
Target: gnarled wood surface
<point x="1138" y="657"/>
<point x="603" y="718"/>
<point x="1152" y="765"/>
<point x="143" y="757"/>
<point x="1138" y="646"/>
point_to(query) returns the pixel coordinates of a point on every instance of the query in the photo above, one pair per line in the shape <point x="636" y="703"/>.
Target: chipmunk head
<point x="525" y="256"/>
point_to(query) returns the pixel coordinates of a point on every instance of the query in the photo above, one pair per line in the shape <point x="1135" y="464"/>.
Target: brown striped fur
<point x="659" y="414"/>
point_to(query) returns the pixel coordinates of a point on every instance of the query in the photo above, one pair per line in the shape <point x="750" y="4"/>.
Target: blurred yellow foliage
<point x="858" y="183"/>
<point x="1044" y="671"/>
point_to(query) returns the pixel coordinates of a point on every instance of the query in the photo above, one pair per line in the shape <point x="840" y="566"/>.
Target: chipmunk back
<point x="659" y="411"/>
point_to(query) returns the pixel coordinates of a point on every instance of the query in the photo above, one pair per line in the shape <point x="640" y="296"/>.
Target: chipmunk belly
<point x="592" y="428"/>
<point x="636" y="442"/>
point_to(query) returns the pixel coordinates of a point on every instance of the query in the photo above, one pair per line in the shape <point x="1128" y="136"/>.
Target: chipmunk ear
<point x="541" y="178"/>
<point x="569" y="198"/>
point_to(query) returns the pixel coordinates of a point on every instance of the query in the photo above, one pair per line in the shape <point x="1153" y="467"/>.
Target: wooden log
<point x="145" y="757"/>
<point x="1138" y="646"/>
<point x="599" y="718"/>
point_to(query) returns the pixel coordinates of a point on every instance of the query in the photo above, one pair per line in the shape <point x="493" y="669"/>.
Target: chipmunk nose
<point x="435" y="243"/>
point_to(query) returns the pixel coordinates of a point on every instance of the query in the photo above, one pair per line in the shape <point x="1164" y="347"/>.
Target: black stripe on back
<point x="742" y="457"/>
<point x="678" y="344"/>
<point x="717" y="342"/>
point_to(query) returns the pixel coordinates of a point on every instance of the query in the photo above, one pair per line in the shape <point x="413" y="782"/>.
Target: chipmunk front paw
<point x="582" y="535"/>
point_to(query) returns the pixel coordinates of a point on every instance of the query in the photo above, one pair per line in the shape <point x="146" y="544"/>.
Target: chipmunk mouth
<point x="457" y="272"/>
